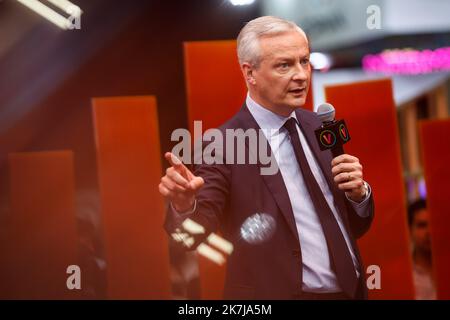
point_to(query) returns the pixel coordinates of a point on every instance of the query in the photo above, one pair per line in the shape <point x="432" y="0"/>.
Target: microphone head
<point x="326" y="112"/>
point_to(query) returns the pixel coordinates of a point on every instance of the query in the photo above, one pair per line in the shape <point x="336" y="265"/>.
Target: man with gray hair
<point x="315" y="206"/>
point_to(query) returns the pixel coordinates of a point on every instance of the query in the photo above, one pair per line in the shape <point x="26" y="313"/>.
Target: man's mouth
<point x="298" y="91"/>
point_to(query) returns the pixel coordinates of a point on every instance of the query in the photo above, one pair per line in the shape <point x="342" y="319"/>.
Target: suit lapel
<point x="275" y="182"/>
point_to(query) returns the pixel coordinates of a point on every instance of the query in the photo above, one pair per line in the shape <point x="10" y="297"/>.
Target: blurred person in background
<point x="424" y="281"/>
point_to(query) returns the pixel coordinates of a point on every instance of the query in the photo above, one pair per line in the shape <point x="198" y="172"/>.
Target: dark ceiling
<point x="48" y="75"/>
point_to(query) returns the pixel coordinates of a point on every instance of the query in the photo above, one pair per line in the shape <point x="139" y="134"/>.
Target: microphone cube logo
<point x="332" y="134"/>
<point x="327" y="138"/>
<point x="343" y="133"/>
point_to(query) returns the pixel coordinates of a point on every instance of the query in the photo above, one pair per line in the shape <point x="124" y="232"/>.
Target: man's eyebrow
<point x="281" y="58"/>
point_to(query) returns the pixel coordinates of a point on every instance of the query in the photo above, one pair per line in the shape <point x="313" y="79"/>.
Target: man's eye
<point x="305" y="61"/>
<point x="284" y="65"/>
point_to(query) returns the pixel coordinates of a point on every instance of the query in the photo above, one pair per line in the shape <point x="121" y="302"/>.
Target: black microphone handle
<point x="337" y="150"/>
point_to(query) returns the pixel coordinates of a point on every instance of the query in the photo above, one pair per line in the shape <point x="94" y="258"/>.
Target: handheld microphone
<point x="333" y="134"/>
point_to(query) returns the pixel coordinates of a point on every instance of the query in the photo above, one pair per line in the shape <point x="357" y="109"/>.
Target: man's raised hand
<point x="179" y="184"/>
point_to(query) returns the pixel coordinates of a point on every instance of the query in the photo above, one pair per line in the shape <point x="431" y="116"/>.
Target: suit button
<point x="296" y="253"/>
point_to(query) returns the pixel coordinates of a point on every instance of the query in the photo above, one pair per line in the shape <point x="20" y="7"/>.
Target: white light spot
<point x="258" y="228"/>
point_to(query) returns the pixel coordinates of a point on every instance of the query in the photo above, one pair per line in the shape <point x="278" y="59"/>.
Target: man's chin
<point x="297" y="103"/>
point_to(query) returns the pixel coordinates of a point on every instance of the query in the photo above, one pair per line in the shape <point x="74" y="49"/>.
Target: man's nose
<point x="300" y="72"/>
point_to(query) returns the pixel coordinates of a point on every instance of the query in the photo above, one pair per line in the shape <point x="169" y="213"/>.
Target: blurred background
<point x="51" y="75"/>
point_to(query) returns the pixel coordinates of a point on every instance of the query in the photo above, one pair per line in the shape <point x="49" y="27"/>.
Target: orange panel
<point x="435" y="137"/>
<point x="129" y="165"/>
<point x="43" y="234"/>
<point x="215" y="87"/>
<point x="215" y="91"/>
<point x="369" y="111"/>
<point x="212" y="279"/>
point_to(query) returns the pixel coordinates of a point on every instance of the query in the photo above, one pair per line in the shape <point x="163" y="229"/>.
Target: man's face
<point x="281" y="81"/>
<point x="420" y="231"/>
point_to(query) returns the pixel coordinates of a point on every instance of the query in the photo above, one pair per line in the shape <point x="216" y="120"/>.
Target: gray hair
<point x="248" y="38"/>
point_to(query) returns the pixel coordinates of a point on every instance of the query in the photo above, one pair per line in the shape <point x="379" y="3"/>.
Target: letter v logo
<point x="327" y="138"/>
<point x="343" y="132"/>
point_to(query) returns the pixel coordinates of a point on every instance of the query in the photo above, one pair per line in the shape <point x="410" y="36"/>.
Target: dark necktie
<point x="340" y="255"/>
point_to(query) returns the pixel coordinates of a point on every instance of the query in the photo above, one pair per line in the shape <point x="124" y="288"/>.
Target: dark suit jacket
<point x="233" y="192"/>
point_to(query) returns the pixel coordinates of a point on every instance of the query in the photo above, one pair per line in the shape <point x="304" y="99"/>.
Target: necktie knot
<point x="291" y="126"/>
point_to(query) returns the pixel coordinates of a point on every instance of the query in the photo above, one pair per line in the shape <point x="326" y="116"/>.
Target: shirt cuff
<point x="186" y="212"/>
<point x="361" y="207"/>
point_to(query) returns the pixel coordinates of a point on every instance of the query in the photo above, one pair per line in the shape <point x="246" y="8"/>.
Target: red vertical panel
<point x="369" y="111"/>
<point x="215" y="92"/>
<point x="212" y="279"/>
<point x="215" y="86"/>
<point x="435" y="137"/>
<point x="43" y="236"/>
<point x="129" y="165"/>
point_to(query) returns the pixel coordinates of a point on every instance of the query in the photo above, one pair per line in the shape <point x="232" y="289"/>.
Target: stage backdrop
<point x="42" y="240"/>
<point x="129" y="167"/>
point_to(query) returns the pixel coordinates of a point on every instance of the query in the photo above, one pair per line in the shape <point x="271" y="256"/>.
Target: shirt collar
<point x="266" y="119"/>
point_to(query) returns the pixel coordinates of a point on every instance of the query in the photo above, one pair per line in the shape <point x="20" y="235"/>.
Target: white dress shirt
<point x="318" y="275"/>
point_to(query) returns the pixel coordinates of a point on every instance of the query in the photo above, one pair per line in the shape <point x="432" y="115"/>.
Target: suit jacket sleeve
<point x="360" y="225"/>
<point x="211" y="201"/>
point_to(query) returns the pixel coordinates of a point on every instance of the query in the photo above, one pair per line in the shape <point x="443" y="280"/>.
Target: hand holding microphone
<point x="179" y="184"/>
<point x="346" y="169"/>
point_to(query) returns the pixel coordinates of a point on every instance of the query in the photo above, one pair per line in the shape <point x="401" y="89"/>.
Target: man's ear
<point x="248" y="71"/>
